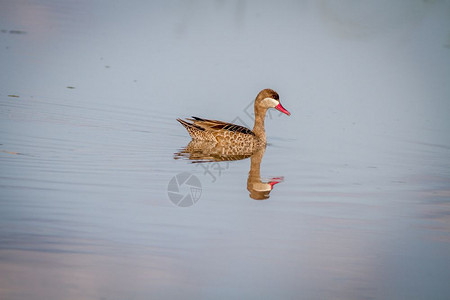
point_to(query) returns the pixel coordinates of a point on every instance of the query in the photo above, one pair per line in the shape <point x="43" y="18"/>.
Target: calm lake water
<point x="89" y="94"/>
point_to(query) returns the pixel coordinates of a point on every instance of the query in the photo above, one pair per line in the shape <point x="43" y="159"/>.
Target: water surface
<point x="89" y="95"/>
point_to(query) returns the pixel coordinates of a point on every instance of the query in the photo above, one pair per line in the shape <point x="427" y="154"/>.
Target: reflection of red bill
<point x="282" y="109"/>
<point x="275" y="181"/>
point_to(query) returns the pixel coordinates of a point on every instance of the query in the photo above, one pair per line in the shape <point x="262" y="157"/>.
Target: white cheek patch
<point x="270" y="102"/>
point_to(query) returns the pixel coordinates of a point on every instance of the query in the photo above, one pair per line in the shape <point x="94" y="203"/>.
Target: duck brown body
<point x="225" y="133"/>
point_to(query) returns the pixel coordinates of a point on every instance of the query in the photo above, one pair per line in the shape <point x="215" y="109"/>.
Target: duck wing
<point x="214" y="125"/>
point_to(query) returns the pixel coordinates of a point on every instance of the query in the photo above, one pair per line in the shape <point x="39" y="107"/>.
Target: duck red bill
<point x="282" y="109"/>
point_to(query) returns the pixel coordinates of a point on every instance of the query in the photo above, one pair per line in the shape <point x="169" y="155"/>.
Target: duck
<point x="224" y="133"/>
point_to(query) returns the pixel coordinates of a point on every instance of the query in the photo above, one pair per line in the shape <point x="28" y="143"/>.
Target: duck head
<point x="268" y="98"/>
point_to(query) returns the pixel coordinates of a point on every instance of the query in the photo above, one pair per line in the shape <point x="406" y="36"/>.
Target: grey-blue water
<point x="89" y="94"/>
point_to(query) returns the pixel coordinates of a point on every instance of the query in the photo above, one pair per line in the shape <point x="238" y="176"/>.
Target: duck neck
<point x="258" y="128"/>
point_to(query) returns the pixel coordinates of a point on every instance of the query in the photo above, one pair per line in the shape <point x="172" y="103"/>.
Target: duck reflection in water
<point x="214" y="140"/>
<point x="204" y="152"/>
